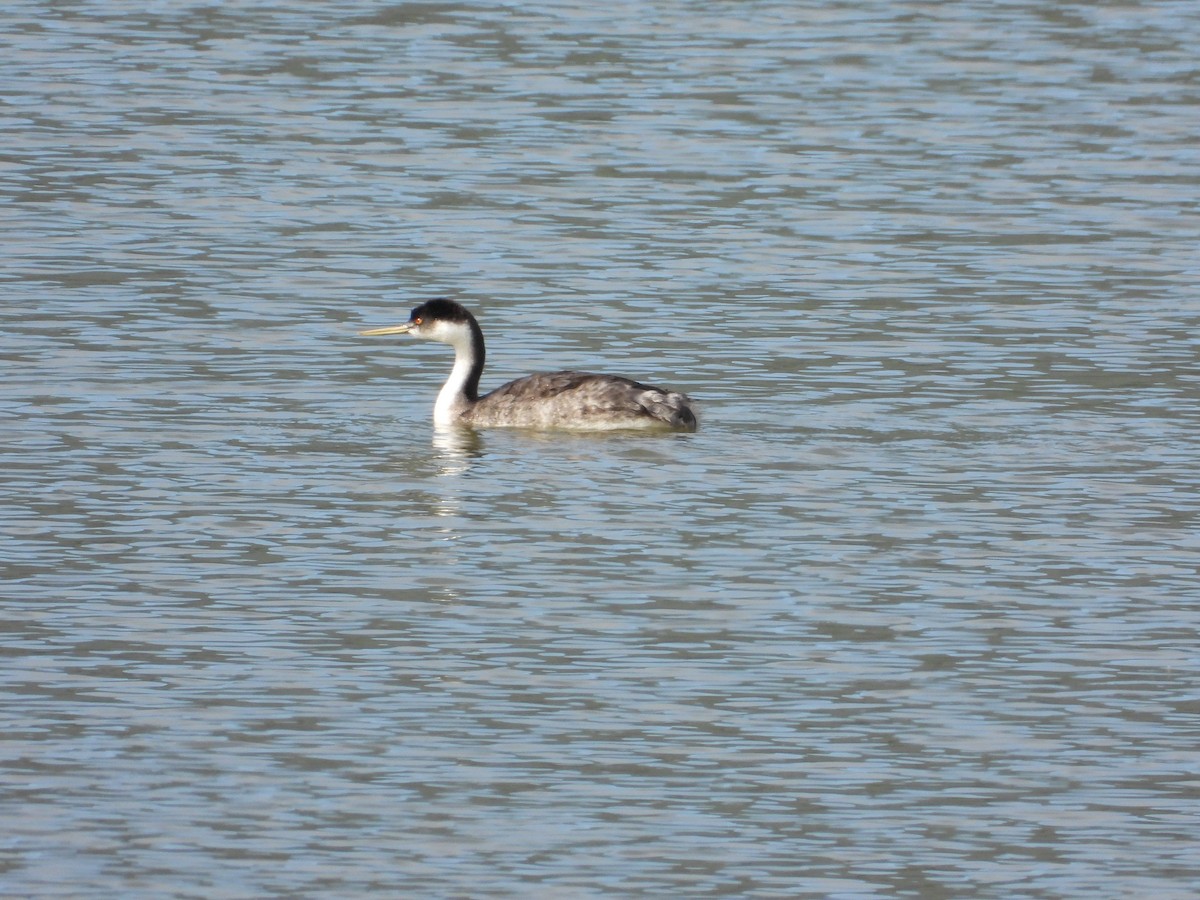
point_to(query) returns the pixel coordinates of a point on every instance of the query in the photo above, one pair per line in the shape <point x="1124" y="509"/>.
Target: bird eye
<point x="417" y="320"/>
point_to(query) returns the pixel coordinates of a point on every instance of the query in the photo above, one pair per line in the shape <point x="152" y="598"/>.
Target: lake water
<point x="916" y="613"/>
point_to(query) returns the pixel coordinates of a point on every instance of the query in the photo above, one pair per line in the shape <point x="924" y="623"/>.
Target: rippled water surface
<point x="915" y="613"/>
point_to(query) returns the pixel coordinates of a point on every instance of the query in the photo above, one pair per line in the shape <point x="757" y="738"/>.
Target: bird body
<point x="570" y="400"/>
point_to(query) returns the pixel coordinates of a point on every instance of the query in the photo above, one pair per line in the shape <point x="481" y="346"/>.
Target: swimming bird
<point x="567" y="400"/>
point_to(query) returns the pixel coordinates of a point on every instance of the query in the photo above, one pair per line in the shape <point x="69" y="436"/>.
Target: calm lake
<point x="915" y="613"/>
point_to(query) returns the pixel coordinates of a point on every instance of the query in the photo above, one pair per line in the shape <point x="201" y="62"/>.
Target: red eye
<point x="417" y="320"/>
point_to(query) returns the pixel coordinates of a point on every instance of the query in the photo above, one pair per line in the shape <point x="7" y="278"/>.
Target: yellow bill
<point x="388" y="329"/>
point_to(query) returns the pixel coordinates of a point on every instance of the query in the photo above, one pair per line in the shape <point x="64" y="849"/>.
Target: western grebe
<point x="573" y="400"/>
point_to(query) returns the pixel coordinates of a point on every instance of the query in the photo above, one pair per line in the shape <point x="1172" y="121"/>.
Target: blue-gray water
<point x="915" y="614"/>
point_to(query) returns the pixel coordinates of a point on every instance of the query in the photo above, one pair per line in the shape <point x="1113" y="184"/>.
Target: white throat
<point x="452" y="399"/>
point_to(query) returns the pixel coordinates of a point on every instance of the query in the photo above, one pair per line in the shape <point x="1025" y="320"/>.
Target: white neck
<point x="452" y="399"/>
